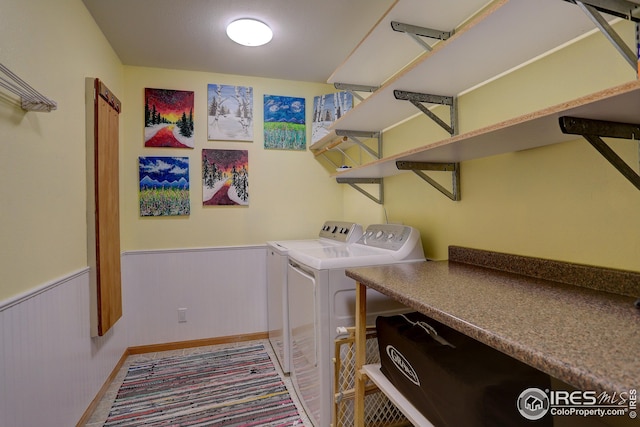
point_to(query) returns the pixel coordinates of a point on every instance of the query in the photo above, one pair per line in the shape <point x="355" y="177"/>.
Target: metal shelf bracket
<point x="621" y="8"/>
<point x="354" y="89"/>
<point x="594" y="130"/>
<point x="354" y="136"/>
<point x="418" y="99"/>
<point x="418" y="167"/>
<point x="353" y="182"/>
<point x="416" y="33"/>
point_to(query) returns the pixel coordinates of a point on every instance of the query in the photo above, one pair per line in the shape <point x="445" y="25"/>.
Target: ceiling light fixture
<point x="249" y="32"/>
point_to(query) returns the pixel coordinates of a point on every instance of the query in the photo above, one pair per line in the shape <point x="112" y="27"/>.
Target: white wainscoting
<point x="51" y="368"/>
<point x="223" y="289"/>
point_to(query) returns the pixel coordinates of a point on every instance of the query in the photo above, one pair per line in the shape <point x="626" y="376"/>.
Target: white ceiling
<point x="311" y="37"/>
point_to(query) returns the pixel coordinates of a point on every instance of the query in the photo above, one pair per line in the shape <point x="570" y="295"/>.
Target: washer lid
<point x="331" y="233"/>
<point x="343" y="256"/>
<point x="284" y="246"/>
<point x="381" y="244"/>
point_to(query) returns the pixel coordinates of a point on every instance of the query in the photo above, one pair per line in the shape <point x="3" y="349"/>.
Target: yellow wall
<point x="42" y="156"/>
<point x="562" y="202"/>
<point x="290" y="195"/>
<point x="52" y="45"/>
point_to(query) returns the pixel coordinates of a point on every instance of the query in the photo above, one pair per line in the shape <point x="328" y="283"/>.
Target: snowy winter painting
<point x="168" y="118"/>
<point x="230" y="113"/>
<point x="164" y="186"/>
<point x="326" y="110"/>
<point x="225" y="177"/>
<point x="284" y="123"/>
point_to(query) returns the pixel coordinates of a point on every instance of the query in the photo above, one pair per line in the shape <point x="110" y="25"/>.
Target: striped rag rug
<point x="235" y="386"/>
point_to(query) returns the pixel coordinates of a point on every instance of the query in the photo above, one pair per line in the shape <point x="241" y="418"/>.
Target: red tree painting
<point x="225" y="177"/>
<point x="168" y="118"/>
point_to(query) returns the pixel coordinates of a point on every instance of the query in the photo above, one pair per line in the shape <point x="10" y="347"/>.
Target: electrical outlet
<point x="182" y="315"/>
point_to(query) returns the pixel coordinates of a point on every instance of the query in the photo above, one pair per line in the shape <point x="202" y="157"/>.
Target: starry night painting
<point x="225" y="177"/>
<point x="284" y="123"/>
<point x="168" y="118"/>
<point x="164" y="186"/>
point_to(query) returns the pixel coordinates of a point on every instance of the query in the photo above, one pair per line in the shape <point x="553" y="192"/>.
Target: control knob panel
<point x="386" y="236"/>
<point x="341" y="231"/>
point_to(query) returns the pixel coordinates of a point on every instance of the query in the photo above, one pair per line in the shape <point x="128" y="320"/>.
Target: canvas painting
<point x="168" y="118"/>
<point x="225" y="177"/>
<point x="164" y="186"/>
<point x="326" y="110"/>
<point x="284" y="123"/>
<point x="230" y="113"/>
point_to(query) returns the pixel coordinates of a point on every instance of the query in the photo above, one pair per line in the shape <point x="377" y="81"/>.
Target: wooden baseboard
<point x="196" y="343"/>
<point x="142" y="349"/>
<point x="103" y="390"/>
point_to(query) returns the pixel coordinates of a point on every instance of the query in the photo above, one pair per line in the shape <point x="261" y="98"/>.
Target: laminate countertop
<point x="583" y="335"/>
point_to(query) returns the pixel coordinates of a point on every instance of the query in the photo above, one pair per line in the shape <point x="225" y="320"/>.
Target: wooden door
<point x="107" y="208"/>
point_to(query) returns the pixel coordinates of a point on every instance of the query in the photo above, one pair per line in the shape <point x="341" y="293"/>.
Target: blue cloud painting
<point x="164" y="186"/>
<point x="284" y="123"/>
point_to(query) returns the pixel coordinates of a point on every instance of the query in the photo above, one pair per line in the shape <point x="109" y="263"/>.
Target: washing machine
<point x="322" y="298"/>
<point x="331" y="234"/>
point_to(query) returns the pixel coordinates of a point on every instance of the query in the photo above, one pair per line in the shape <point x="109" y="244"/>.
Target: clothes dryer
<point x="331" y="234"/>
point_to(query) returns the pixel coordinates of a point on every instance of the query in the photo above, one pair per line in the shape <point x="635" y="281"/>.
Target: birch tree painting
<point x="230" y="113"/>
<point x="326" y="110"/>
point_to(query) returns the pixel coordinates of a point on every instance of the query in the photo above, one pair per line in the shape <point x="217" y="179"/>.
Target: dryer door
<point x="303" y="324"/>
<point x="278" y="315"/>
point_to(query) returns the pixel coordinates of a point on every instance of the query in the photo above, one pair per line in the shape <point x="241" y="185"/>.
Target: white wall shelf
<point x="458" y="63"/>
<point x="476" y="52"/>
<point x="383" y="52"/>
<point x="618" y="104"/>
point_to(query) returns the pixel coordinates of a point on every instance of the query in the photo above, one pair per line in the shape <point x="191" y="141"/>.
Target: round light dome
<point x="249" y="32"/>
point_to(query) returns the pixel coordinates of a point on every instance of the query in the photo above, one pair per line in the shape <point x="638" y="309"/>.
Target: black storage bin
<point x="470" y="384"/>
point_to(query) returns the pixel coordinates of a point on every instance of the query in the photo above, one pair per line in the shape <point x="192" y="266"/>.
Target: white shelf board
<point x="326" y="140"/>
<point x="383" y="51"/>
<point x="619" y="104"/>
<point x="413" y="415"/>
<point x="505" y="35"/>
